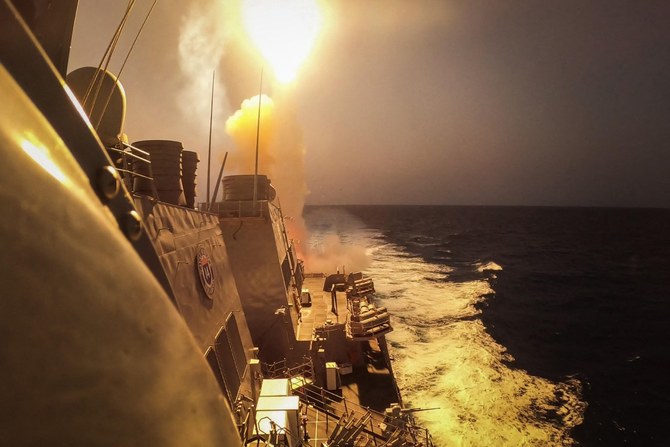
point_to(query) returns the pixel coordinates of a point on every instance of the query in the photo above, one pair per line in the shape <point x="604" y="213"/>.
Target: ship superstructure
<point x="322" y="333"/>
<point x="267" y="271"/>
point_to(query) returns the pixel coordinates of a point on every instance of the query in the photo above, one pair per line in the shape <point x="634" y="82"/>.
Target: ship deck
<point x="321" y="309"/>
<point x="364" y="393"/>
<point x="321" y="425"/>
<point x="369" y="386"/>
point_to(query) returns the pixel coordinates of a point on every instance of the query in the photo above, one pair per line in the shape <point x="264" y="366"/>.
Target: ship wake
<point x="445" y="358"/>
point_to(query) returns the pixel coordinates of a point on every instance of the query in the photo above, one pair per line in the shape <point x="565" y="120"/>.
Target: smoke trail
<point x="201" y="48"/>
<point x="289" y="172"/>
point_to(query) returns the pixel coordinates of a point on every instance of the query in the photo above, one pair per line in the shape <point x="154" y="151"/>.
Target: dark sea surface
<point x="526" y="326"/>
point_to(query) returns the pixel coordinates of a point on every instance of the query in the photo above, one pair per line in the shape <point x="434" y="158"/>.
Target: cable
<point x="238" y="229"/>
<point x="118" y="76"/>
<point x="106" y="57"/>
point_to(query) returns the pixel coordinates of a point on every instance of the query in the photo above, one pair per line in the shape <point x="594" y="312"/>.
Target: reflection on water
<point x="445" y="358"/>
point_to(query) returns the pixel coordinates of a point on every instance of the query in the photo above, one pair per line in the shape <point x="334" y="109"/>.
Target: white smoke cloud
<point x="331" y="255"/>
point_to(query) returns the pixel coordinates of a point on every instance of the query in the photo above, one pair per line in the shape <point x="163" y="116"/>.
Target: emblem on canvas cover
<point x="205" y="271"/>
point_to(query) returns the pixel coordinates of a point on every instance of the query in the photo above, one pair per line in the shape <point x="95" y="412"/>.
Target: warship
<point x="133" y="315"/>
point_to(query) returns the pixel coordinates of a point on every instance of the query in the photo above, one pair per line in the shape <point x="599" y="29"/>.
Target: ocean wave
<point x="424" y="241"/>
<point x="489" y="266"/>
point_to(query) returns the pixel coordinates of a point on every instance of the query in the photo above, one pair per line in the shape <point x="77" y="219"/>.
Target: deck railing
<point x="384" y="431"/>
<point x="239" y="208"/>
<point x="129" y="155"/>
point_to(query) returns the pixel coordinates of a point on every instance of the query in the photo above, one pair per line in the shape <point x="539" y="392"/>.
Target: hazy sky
<point x="429" y="102"/>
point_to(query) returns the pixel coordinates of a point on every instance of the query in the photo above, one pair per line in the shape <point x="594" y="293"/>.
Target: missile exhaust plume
<point x="241" y="126"/>
<point x="220" y="36"/>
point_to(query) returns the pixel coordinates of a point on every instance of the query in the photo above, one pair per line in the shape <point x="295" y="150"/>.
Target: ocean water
<point x="522" y="326"/>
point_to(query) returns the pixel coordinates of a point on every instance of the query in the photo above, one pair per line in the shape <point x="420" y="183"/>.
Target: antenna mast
<point x="209" y="150"/>
<point x="218" y="180"/>
<point x="258" y="133"/>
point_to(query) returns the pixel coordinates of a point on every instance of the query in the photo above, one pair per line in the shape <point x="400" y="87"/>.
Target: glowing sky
<point x="446" y="102"/>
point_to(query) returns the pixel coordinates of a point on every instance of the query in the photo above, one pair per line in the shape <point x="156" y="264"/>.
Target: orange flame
<point x="241" y="126"/>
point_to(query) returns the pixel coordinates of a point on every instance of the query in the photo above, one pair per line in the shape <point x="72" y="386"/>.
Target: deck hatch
<point x="236" y="345"/>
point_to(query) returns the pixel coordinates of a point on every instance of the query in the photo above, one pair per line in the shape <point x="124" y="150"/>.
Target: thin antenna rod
<point x="209" y="150"/>
<point x="107" y="57"/>
<point x="118" y="76"/>
<point x="258" y="133"/>
<point x="218" y="180"/>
